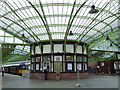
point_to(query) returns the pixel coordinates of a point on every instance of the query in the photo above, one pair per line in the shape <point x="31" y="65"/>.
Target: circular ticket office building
<point x="61" y="58"/>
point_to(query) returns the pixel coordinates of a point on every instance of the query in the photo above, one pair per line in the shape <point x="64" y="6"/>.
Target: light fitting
<point x="93" y="10"/>
<point x="70" y="34"/>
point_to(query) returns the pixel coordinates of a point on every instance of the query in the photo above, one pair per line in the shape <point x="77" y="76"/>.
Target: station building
<point x="62" y="36"/>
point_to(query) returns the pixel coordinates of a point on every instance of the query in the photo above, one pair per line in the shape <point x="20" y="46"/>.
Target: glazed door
<point x="46" y="65"/>
<point x="57" y="63"/>
<point x="57" y="66"/>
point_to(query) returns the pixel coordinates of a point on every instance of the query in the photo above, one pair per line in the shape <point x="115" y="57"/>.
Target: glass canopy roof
<point x="51" y="20"/>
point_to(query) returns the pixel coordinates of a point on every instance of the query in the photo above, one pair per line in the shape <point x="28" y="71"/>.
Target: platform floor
<point x="94" y="81"/>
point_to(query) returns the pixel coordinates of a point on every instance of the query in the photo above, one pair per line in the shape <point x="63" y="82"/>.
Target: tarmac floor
<point x="94" y="81"/>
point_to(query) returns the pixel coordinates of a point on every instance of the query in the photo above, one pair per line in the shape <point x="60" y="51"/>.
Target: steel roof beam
<point x="92" y="22"/>
<point x="70" y="23"/>
<point x="44" y="22"/>
<point x="66" y="4"/>
<point x="20" y="19"/>
<point x="103" y="28"/>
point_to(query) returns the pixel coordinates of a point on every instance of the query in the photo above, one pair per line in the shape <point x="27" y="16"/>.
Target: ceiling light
<point x="70" y="34"/>
<point x="93" y="10"/>
<point x="23" y="35"/>
<point x="111" y="45"/>
<point x="107" y="38"/>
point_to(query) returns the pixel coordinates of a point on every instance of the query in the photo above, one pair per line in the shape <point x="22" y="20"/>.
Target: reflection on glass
<point x="85" y="59"/>
<point x="69" y="66"/>
<point x="38" y="59"/>
<point x="85" y="66"/>
<point x="69" y="58"/>
<point x="33" y="60"/>
<point x="79" y="66"/>
<point x="37" y="66"/>
<point x="79" y="58"/>
<point x="46" y="58"/>
<point x="31" y="66"/>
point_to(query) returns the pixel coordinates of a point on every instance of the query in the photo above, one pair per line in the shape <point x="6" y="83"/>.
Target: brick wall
<point x="92" y="64"/>
<point x="62" y="76"/>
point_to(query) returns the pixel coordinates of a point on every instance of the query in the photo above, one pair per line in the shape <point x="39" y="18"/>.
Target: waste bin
<point x="57" y="75"/>
<point x="89" y="69"/>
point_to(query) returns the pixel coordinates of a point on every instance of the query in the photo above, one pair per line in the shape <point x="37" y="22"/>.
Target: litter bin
<point x="57" y="75"/>
<point x="89" y="69"/>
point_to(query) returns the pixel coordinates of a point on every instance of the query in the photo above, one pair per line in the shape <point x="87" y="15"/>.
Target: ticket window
<point x="37" y="67"/>
<point x="117" y="65"/>
<point x="32" y="67"/>
<point x="69" y="67"/>
<point x="85" y="66"/>
<point x="46" y="63"/>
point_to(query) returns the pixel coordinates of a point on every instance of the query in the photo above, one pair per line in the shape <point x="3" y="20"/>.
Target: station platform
<point x="94" y="81"/>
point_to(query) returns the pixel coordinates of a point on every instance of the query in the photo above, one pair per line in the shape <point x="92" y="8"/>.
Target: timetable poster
<point x="79" y="66"/>
<point x="37" y="66"/>
<point x="69" y="66"/>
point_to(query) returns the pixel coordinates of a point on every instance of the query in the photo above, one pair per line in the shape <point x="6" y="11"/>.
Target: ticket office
<point x="59" y="58"/>
<point x="61" y="63"/>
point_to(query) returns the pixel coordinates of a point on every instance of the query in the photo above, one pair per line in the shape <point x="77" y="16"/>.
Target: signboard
<point x="31" y="66"/>
<point x="85" y="66"/>
<point x="79" y="66"/>
<point x="102" y="64"/>
<point x="57" y="58"/>
<point x="37" y="66"/>
<point x="69" y="66"/>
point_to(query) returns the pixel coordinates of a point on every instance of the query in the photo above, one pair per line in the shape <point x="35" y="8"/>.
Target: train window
<point x="24" y="67"/>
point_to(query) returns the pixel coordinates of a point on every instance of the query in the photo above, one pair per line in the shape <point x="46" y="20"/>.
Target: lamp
<point x="70" y="34"/>
<point x="107" y="38"/>
<point x="111" y="45"/>
<point x="93" y="10"/>
<point x="23" y="35"/>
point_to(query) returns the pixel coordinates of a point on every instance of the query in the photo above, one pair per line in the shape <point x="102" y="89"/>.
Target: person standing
<point x="45" y="74"/>
<point x="98" y="69"/>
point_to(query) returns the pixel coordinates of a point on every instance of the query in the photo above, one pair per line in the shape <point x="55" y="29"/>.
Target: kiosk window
<point x="31" y="66"/>
<point x="69" y="58"/>
<point x="79" y="66"/>
<point x="85" y="59"/>
<point x="37" y="66"/>
<point x="79" y="58"/>
<point x="38" y="59"/>
<point x="69" y="66"/>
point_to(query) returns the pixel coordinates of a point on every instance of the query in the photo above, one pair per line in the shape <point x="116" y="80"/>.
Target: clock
<point x="57" y="58"/>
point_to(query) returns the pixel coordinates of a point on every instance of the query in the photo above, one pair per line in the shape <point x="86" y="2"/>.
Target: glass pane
<point x="33" y="59"/>
<point x="79" y="66"/>
<point x="37" y="66"/>
<point x="69" y="66"/>
<point x="57" y="66"/>
<point x="85" y="59"/>
<point x="31" y="66"/>
<point x="38" y="59"/>
<point x="85" y="67"/>
<point x="79" y="58"/>
<point x="69" y="58"/>
<point x="46" y="58"/>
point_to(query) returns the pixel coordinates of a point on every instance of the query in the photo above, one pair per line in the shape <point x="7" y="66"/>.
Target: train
<point x="15" y="69"/>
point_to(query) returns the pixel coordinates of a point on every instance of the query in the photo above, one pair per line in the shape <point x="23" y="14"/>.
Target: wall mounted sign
<point x="57" y="58"/>
<point x="69" y="66"/>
